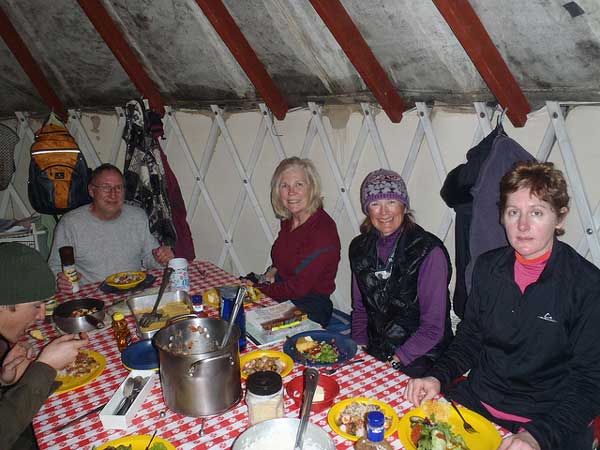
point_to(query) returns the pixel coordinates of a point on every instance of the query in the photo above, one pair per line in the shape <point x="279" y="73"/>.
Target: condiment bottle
<point x="121" y="331"/>
<point x="264" y="396"/>
<point x="375" y="430"/>
<point x="198" y="306"/>
<point x="67" y="259"/>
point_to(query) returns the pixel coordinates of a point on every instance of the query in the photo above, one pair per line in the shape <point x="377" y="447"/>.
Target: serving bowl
<point x="280" y="434"/>
<point x="295" y="389"/>
<point x="64" y="320"/>
<point x="142" y="303"/>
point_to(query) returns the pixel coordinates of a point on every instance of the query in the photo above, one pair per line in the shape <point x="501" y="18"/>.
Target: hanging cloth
<point x="145" y="179"/>
<point x="184" y="248"/>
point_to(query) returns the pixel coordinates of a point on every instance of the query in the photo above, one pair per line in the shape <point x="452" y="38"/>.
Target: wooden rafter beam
<point x="108" y="30"/>
<point x="346" y="33"/>
<point x="468" y="29"/>
<point x="30" y="66"/>
<point x="218" y="15"/>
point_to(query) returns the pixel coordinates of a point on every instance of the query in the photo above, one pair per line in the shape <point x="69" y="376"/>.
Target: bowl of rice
<point x="280" y="434"/>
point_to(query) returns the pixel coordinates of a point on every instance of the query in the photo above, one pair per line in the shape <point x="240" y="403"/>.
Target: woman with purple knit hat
<point x="400" y="277"/>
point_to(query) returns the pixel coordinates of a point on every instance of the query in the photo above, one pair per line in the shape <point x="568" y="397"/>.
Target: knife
<point x="68" y="424"/>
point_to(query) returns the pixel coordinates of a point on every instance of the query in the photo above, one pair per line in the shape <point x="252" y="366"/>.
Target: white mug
<point x="180" y="280"/>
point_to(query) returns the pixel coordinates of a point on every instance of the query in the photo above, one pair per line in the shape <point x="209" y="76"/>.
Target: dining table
<point x="369" y="378"/>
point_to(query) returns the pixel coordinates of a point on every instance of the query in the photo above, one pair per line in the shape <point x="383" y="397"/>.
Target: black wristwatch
<point x="396" y="365"/>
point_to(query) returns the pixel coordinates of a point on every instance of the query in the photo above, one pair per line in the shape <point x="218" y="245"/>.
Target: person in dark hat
<point x="400" y="277"/>
<point x="26" y="379"/>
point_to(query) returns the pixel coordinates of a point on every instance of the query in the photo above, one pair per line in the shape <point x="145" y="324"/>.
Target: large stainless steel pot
<point x="198" y="379"/>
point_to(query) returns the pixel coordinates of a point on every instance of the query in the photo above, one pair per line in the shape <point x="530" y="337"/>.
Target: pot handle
<point x="180" y="318"/>
<point x="192" y="368"/>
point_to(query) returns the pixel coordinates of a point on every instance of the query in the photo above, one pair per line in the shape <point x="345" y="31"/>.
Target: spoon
<point x="138" y="384"/>
<point x="236" y="308"/>
<point x="127" y="390"/>
<point x="311" y="379"/>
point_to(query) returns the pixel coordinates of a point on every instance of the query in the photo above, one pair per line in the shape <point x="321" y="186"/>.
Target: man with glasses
<point x="26" y="378"/>
<point x="107" y="235"/>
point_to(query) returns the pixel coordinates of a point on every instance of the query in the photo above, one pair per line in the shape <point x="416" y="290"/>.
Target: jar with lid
<point x="121" y="331"/>
<point x="264" y="396"/>
<point x="375" y="430"/>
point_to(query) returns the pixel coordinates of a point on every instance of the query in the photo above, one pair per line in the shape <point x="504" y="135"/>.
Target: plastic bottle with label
<point x="375" y="430"/>
<point x="67" y="259"/>
<point x="121" y="331"/>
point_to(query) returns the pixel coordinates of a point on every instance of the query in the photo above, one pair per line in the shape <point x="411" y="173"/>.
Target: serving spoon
<point x="311" y="379"/>
<point x="148" y="319"/>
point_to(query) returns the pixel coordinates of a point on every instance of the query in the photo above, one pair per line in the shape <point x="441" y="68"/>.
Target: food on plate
<point x="353" y="418"/>
<point x="83" y="364"/>
<point x="80" y="312"/>
<point x="167" y="311"/>
<point x="317" y="351"/>
<point x="433" y="432"/>
<point x="319" y="395"/>
<point x="253" y="293"/>
<point x="263" y="363"/>
<point x="211" y="297"/>
<point x="127" y="278"/>
<point x="156" y="446"/>
<point x="36" y="334"/>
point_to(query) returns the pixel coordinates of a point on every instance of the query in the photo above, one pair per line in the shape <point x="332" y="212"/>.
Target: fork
<point x="339" y="366"/>
<point x="466" y="425"/>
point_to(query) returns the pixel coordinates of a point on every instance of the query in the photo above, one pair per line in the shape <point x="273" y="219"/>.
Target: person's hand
<point x="63" y="284"/>
<point x="163" y="254"/>
<point x="420" y="389"/>
<point x="270" y="274"/>
<point x="62" y="351"/>
<point x="519" y="441"/>
<point x="16" y="361"/>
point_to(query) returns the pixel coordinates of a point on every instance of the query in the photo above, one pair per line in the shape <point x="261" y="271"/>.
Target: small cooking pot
<point x="63" y="319"/>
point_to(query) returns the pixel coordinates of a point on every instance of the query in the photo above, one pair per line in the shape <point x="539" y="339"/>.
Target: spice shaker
<point x="264" y="396"/>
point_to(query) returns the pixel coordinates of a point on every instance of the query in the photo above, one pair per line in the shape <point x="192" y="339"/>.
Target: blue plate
<point x="140" y="355"/>
<point x="345" y="346"/>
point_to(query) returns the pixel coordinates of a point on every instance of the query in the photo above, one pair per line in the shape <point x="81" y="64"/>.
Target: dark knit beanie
<point x="382" y="184"/>
<point x="24" y="275"/>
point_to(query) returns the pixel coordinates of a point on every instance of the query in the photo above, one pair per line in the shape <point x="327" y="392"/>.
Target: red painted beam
<point x="218" y="15"/>
<point x="106" y="28"/>
<point x="472" y="35"/>
<point x="30" y="66"/>
<point x="346" y="33"/>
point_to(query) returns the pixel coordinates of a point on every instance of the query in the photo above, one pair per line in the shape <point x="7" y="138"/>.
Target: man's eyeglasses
<point x="107" y="188"/>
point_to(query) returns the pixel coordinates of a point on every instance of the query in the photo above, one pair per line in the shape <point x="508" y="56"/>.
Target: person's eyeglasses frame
<point x="107" y="189"/>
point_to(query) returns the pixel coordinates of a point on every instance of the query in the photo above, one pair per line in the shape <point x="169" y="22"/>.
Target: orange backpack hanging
<point x="58" y="172"/>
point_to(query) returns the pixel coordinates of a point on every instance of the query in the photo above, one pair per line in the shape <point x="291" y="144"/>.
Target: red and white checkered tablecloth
<point x="370" y="378"/>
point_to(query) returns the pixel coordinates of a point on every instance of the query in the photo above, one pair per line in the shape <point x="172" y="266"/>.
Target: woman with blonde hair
<point x="306" y="253"/>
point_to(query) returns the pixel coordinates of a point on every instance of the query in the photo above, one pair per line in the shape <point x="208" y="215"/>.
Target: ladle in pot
<point x="311" y="380"/>
<point x="236" y="309"/>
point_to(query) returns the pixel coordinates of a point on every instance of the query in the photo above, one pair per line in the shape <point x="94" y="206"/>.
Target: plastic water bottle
<point x="227" y="302"/>
<point x="374" y="439"/>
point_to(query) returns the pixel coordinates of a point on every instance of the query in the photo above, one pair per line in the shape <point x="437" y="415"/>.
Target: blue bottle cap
<point x="376" y="418"/>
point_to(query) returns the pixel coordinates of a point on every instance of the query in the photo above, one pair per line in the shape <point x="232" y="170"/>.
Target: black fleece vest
<point x="392" y="305"/>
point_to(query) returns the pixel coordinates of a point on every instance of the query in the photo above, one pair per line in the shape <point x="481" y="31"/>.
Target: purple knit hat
<point x="383" y="184"/>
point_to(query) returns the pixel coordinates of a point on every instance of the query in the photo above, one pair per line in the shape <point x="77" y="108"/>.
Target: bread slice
<point x="305" y="344"/>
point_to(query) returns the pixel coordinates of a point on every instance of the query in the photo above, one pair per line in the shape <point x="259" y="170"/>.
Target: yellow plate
<point x="69" y="383"/>
<point x="337" y="409"/>
<point x="138" y="277"/>
<point x="287" y="361"/>
<point x="138" y="442"/>
<point x="486" y="438"/>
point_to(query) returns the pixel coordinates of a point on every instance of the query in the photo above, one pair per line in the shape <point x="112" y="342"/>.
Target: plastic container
<point x="121" y="331"/>
<point x="228" y="294"/>
<point x="67" y="259"/>
<point x="180" y="279"/>
<point x="374" y="439"/>
<point x="264" y="396"/>
<point x="198" y="306"/>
